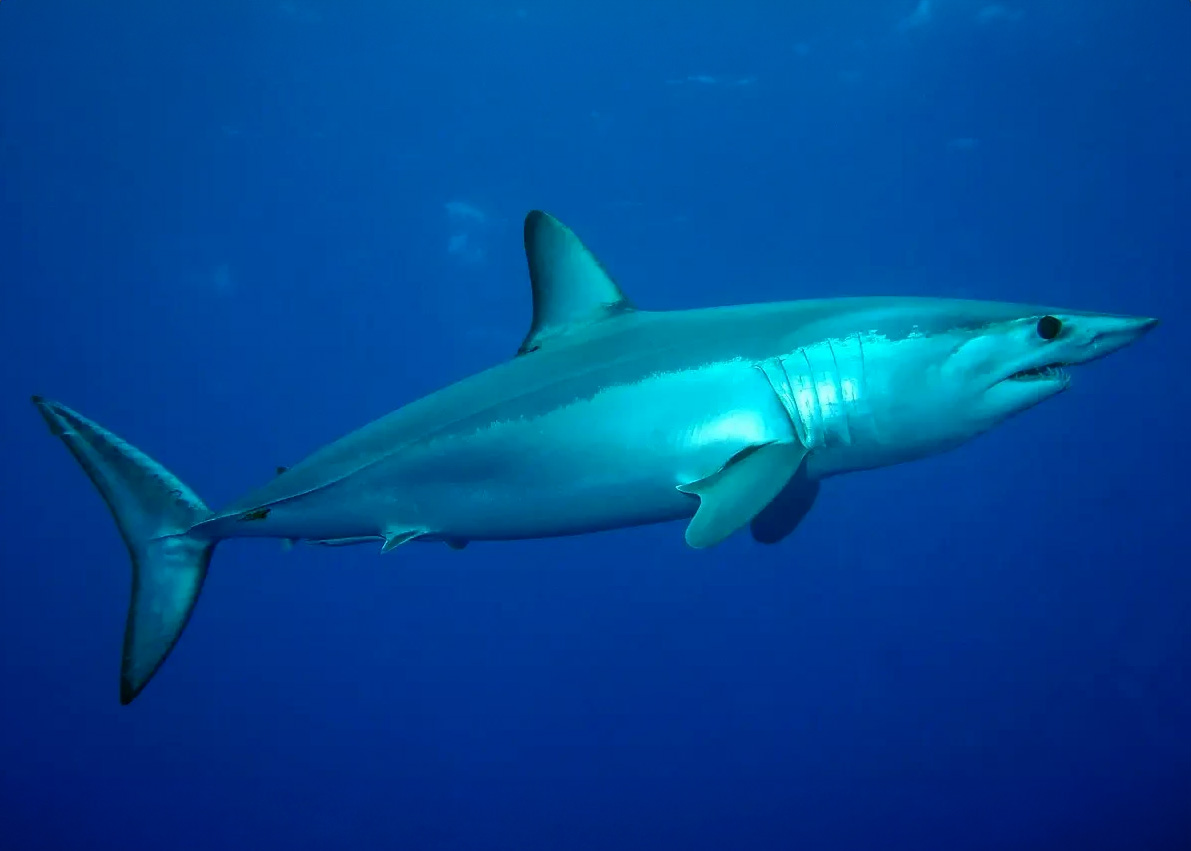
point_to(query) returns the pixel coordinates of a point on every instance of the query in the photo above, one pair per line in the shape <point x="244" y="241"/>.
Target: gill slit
<point x="871" y="420"/>
<point x="845" y="405"/>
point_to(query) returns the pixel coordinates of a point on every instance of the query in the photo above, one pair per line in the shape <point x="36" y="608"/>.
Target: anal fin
<point x="738" y="492"/>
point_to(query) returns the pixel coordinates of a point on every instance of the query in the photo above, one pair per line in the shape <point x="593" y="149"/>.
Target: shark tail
<point x="154" y="512"/>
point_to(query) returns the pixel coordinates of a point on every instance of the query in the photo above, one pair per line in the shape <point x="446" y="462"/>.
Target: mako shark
<point x="608" y="417"/>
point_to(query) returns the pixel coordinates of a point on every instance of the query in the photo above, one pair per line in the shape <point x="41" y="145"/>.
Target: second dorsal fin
<point x="570" y="287"/>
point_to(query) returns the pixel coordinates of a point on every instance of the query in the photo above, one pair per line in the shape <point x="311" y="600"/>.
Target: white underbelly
<point x="610" y="461"/>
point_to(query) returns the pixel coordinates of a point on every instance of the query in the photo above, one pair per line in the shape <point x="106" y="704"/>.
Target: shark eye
<point x="1049" y="327"/>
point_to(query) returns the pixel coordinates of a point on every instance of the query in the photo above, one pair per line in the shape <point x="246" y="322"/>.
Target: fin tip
<point x="128" y="691"/>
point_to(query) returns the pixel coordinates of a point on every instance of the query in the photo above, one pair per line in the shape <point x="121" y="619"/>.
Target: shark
<point x="610" y="416"/>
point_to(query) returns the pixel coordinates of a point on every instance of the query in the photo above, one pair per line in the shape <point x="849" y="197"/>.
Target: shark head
<point x="1010" y="364"/>
<point x="939" y="372"/>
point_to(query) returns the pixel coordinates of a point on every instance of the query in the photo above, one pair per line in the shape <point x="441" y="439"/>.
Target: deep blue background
<point x="233" y="231"/>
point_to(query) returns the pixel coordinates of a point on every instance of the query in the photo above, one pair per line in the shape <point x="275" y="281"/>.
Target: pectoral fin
<point x="782" y="516"/>
<point x="734" y="495"/>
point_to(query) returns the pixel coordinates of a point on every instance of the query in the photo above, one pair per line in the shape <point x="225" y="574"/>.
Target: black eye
<point x="1049" y="327"/>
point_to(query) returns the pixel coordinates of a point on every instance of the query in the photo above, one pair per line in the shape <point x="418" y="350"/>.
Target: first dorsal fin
<point x="570" y="288"/>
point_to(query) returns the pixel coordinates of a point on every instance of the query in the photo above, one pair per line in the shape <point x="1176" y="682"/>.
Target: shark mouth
<point x="1041" y="373"/>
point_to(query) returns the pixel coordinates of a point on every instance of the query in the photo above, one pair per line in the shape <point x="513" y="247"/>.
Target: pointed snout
<point x="1133" y="328"/>
<point x="1112" y="333"/>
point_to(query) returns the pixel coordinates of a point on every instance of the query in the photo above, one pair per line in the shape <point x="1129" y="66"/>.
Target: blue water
<point x="233" y="231"/>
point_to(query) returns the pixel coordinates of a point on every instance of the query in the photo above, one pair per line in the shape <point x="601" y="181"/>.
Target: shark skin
<point x="610" y="417"/>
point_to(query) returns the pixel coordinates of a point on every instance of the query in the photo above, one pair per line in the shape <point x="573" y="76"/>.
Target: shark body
<point x="609" y="417"/>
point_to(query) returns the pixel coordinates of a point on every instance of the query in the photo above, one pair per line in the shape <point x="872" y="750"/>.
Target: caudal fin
<point x="153" y="511"/>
